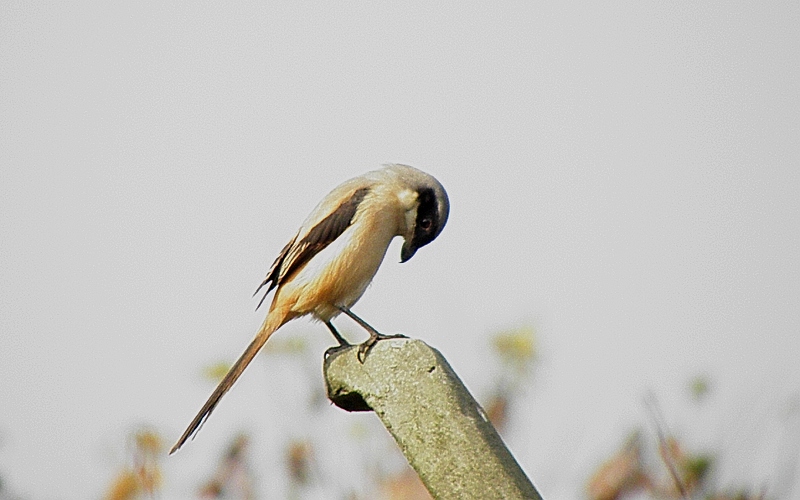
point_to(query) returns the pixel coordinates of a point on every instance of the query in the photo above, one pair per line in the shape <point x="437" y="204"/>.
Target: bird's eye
<point x="426" y="224"/>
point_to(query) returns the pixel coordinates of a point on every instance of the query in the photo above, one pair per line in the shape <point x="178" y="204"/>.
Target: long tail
<point x="271" y="323"/>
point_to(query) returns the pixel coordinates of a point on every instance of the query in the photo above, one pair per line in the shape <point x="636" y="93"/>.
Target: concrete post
<point x="439" y="427"/>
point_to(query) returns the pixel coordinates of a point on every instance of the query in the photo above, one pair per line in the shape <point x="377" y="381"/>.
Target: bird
<point x="331" y="260"/>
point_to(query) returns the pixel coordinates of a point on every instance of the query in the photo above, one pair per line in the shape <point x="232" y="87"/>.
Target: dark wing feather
<point x="296" y="253"/>
<point x="272" y="274"/>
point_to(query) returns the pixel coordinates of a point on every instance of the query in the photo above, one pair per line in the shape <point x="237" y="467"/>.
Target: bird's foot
<point x="374" y="335"/>
<point x="373" y="339"/>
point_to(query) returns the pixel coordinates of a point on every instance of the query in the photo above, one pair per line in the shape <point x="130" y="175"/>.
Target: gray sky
<point x="624" y="177"/>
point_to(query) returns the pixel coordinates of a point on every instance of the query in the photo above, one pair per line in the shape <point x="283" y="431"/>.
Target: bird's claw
<point x="364" y="348"/>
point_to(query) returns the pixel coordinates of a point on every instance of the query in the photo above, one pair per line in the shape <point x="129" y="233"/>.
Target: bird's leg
<point x="374" y="335"/>
<point x="337" y="335"/>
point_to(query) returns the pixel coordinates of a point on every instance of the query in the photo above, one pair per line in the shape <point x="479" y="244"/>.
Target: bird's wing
<point x="274" y="272"/>
<point x="300" y="250"/>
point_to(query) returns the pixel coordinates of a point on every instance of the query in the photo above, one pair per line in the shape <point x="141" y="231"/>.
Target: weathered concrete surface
<point x="439" y="427"/>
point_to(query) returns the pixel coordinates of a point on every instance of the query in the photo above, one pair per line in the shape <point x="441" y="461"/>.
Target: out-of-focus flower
<point x="232" y="476"/>
<point x="517" y="350"/>
<point x="516" y="346"/>
<point x="299" y="457"/>
<point x="690" y="469"/>
<point x="695" y="468"/>
<point x="144" y="476"/>
<point x="215" y="371"/>
<point x="288" y="345"/>
<point x="148" y="442"/>
<point x="497" y="410"/>
<point x="405" y="486"/>
<point x="699" y="388"/>
<point x="621" y="474"/>
<point x="124" y="487"/>
<point x="291" y="344"/>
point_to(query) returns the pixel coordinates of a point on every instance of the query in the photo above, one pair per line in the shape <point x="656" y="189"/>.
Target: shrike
<point x="329" y="263"/>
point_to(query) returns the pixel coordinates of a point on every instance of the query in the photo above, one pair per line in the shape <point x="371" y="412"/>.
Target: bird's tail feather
<point x="272" y="322"/>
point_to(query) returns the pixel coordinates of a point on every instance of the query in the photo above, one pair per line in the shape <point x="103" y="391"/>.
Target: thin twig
<point x="651" y="403"/>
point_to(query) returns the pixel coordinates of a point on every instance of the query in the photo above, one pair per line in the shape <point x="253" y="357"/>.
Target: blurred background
<point x="618" y="284"/>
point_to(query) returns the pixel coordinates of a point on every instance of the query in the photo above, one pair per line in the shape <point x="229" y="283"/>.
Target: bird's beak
<point x="408" y="251"/>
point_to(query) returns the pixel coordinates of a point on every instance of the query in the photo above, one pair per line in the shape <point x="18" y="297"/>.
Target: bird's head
<point x="428" y="208"/>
